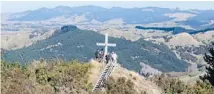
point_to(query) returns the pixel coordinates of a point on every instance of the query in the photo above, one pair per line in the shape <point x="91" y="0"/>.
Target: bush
<point x="120" y="86"/>
<point x="175" y="86"/>
<point x="65" y="77"/>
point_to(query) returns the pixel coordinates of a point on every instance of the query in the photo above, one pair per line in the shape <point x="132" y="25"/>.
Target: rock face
<point x="148" y="70"/>
<point x="192" y="67"/>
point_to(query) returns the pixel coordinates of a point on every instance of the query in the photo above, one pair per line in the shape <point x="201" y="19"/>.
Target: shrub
<point x="175" y="86"/>
<point x="120" y="86"/>
<point x="45" y="78"/>
<point x="209" y="58"/>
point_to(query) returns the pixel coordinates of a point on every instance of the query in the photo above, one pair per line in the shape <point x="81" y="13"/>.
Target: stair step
<point x="104" y="75"/>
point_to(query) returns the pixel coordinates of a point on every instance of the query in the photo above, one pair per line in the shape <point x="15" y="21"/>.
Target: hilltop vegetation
<point x="73" y="78"/>
<point x="54" y="78"/>
<point x="44" y="78"/>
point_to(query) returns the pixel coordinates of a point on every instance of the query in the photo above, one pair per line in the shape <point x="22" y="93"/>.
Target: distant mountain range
<point x="195" y="18"/>
<point x="72" y="43"/>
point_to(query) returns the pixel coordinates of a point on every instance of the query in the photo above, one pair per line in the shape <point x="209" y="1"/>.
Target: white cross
<point x="106" y="44"/>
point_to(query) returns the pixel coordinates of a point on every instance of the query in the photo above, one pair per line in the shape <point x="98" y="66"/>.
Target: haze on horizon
<point x="19" y="6"/>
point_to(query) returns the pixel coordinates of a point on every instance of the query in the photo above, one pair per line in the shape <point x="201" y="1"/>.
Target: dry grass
<point x="140" y="84"/>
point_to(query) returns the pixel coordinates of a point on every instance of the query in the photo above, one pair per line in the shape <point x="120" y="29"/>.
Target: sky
<point x="19" y="6"/>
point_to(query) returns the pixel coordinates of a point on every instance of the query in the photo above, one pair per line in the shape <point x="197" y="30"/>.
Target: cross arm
<point x="112" y="44"/>
<point x="100" y="44"/>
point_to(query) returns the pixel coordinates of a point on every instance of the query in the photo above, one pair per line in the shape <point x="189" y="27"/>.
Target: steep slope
<point x="72" y="43"/>
<point x="140" y="84"/>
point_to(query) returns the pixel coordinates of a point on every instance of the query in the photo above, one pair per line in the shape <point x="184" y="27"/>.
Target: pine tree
<point x="209" y="58"/>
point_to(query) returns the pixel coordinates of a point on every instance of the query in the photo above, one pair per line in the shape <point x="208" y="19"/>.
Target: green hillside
<point x="72" y="43"/>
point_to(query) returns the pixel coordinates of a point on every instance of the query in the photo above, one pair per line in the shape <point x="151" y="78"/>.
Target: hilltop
<point x="66" y="77"/>
<point x="79" y="77"/>
<point x="140" y="83"/>
<point x="183" y="39"/>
